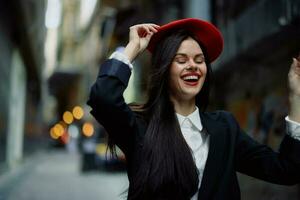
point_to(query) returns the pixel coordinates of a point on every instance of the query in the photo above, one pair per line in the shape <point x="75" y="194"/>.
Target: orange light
<point x="68" y="117"/>
<point x="77" y="112"/>
<point x="58" y="130"/>
<point x="88" y="129"/>
<point x="53" y="135"/>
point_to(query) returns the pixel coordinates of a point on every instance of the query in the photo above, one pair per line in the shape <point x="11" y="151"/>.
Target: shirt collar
<point x="194" y="117"/>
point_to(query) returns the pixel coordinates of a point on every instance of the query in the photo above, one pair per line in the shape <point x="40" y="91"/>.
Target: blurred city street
<point x="55" y="174"/>
<point x="52" y="148"/>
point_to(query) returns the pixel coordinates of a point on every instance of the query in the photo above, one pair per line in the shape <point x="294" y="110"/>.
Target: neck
<point x="184" y="107"/>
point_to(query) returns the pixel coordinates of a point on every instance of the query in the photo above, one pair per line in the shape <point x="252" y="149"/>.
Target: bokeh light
<point x="88" y="129"/>
<point x="68" y="117"/>
<point x="77" y="112"/>
<point x="58" y="130"/>
<point x="53" y="135"/>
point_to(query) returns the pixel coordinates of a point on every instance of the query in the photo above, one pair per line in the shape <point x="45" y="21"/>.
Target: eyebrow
<point x="183" y="54"/>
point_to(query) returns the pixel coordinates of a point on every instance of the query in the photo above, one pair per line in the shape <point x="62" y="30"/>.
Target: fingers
<point x="153" y="27"/>
<point x="148" y="26"/>
<point x="144" y="29"/>
<point x="148" y="36"/>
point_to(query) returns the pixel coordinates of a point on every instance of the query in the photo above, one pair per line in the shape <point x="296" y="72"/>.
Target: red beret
<point x="206" y="33"/>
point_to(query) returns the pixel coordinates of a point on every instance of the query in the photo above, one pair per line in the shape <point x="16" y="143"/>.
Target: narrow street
<point x="56" y="175"/>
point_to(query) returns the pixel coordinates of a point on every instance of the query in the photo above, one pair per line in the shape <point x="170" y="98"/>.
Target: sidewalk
<point x="56" y="175"/>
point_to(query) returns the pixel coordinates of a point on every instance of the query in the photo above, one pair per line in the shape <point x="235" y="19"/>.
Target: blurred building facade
<point x="78" y="50"/>
<point x="46" y="64"/>
<point x="22" y="38"/>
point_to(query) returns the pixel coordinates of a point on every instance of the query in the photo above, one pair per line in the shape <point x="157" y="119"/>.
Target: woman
<point x="174" y="149"/>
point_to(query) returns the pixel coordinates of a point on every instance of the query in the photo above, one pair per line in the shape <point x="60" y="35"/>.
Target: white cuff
<point x="293" y="128"/>
<point x="121" y="57"/>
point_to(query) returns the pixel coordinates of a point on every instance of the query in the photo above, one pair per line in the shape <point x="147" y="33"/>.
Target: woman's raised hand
<point x="139" y="37"/>
<point x="294" y="85"/>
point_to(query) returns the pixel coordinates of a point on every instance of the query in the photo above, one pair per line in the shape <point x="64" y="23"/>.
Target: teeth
<point x="190" y="78"/>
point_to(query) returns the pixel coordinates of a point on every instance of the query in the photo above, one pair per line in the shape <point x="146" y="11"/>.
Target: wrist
<point x="294" y="107"/>
<point x="131" y="50"/>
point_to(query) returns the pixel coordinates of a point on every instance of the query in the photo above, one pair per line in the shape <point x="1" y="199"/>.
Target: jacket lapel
<point x="215" y="160"/>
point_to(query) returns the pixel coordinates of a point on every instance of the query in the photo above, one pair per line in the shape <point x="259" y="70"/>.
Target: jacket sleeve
<point x="108" y="105"/>
<point x="260" y="161"/>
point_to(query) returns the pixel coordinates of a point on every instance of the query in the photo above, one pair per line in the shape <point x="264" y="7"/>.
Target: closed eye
<point x="199" y="59"/>
<point x="180" y="60"/>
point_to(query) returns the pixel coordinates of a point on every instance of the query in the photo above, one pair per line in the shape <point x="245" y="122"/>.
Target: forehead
<point x="189" y="46"/>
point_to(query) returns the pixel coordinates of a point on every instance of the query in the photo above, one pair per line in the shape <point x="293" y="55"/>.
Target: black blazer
<point x="230" y="149"/>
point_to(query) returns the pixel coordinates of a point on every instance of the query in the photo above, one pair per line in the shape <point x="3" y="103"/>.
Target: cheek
<point x="174" y="73"/>
<point x="203" y="70"/>
<point x="175" y="69"/>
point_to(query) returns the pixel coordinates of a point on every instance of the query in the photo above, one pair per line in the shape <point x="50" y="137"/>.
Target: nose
<point x="192" y="66"/>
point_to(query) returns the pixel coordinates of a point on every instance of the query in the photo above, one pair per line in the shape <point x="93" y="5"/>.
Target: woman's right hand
<point x="139" y="37"/>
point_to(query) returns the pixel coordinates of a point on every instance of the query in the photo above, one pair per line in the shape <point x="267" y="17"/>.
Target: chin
<point x="190" y="95"/>
<point x="192" y="92"/>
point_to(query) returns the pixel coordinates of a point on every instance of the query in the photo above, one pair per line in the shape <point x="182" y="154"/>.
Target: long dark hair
<point x="167" y="170"/>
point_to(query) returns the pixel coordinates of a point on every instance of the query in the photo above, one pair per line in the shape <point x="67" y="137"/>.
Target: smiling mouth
<point x="191" y="79"/>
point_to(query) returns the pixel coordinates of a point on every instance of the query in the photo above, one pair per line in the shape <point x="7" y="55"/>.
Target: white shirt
<point x="197" y="139"/>
<point x="192" y="130"/>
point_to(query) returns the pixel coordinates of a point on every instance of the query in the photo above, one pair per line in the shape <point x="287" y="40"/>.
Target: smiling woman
<point x="175" y="149"/>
